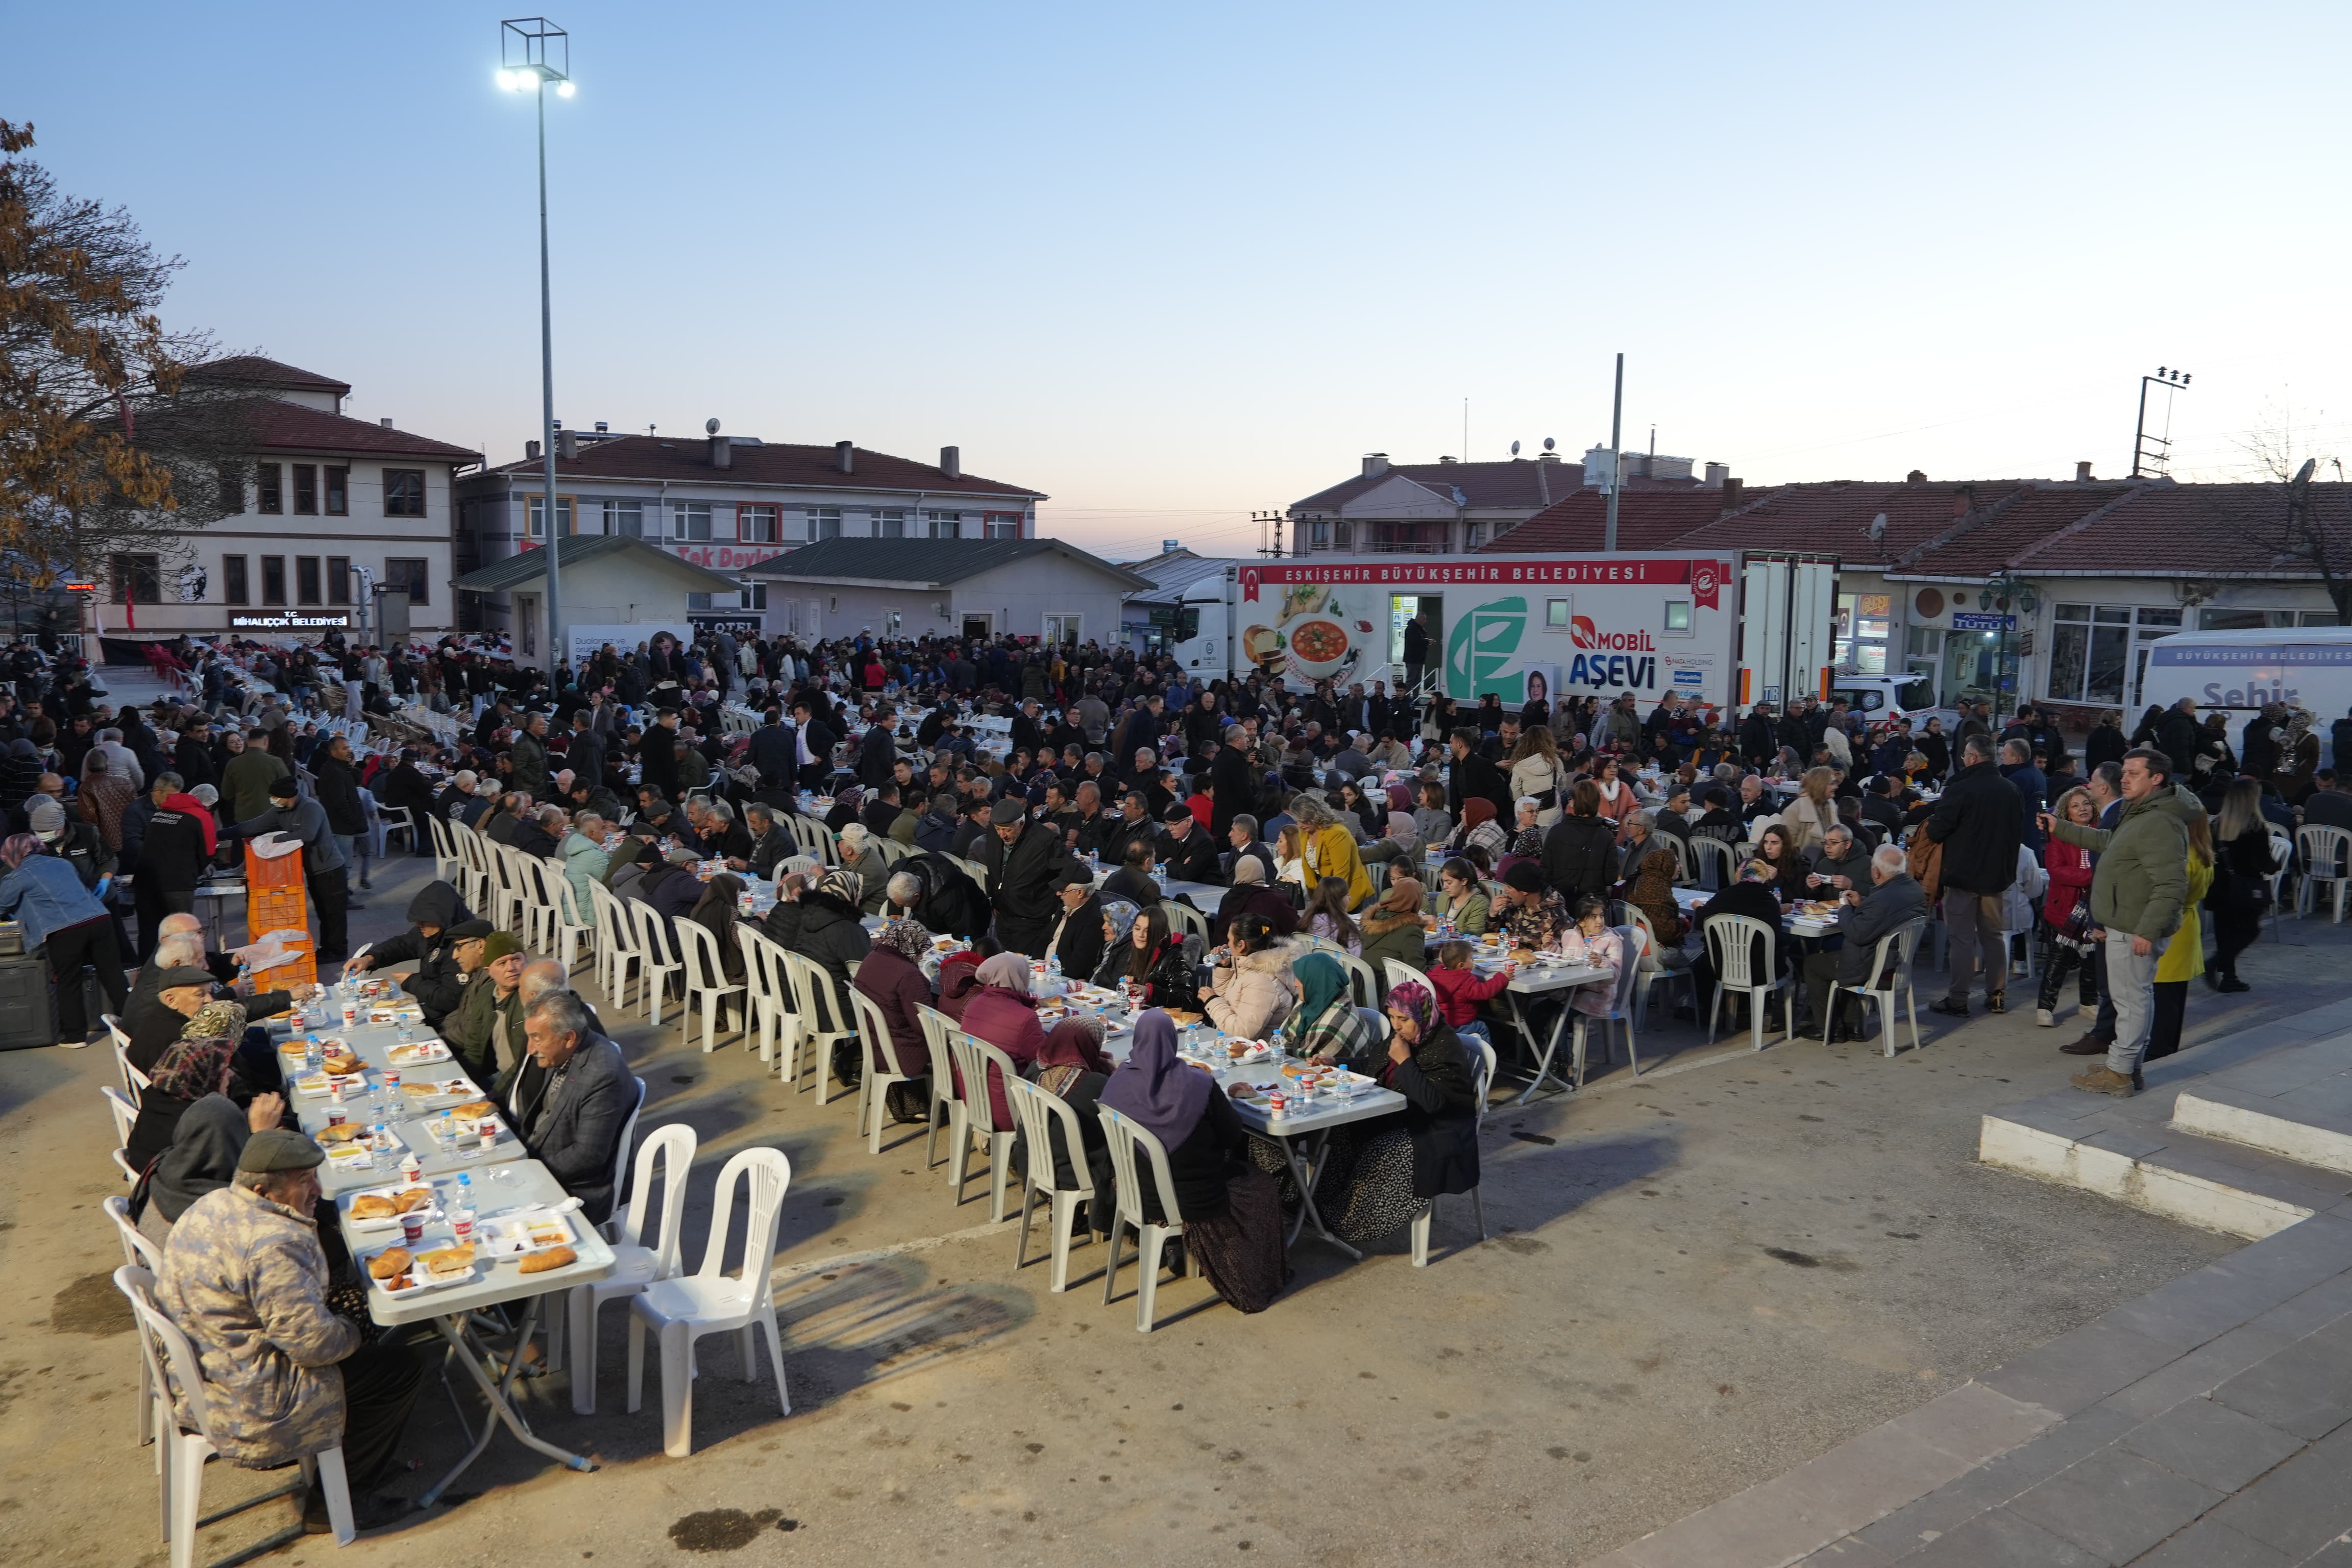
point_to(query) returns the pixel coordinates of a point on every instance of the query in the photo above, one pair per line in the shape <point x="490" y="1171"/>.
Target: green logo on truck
<point x="1483" y="644"/>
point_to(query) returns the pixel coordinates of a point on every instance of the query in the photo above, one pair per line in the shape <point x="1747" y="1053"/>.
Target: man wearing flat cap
<point x="1025" y="864"/>
<point x="245" y="1278"/>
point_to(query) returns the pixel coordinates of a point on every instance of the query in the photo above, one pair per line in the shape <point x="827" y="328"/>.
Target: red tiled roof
<point x="2193" y="531"/>
<point x="1506" y="484"/>
<point x="278" y="425"/>
<point x="811" y="468"/>
<point x="1646" y="520"/>
<point x="252" y="370"/>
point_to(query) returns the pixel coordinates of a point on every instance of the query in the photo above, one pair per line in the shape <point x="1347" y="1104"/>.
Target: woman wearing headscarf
<point x="1391" y="927"/>
<point x="1001" y="1011"/>
<point x="1402" y="1161"/>
<point x="959" y="981"/>
<point x="1252" y="991"/>
<point x="715" y="912"/>
<point x="1326" y="1023"/>
<point x="833" y="930"/>
<point x="1071" y="1066"/>
<point x="65" y="919"/>
<point x="1478" y="826"/>
<point x="1231" y="1210"/>
<point x="201" y="1061"/>
<point x="891" y="977"/>
<point x="1250" y="895"/>
<point x="209" y="1136"/>
<point x="1118" y="924"/>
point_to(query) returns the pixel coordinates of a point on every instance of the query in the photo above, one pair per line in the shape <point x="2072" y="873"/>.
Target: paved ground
<point x="1697" y="1282"/>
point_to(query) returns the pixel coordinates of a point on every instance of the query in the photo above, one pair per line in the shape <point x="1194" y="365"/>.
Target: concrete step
<point x="2245" y="1136"/>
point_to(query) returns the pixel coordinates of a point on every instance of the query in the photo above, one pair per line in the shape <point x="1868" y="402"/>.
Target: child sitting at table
<point x="1591" y="943"/>
<point x="1459" y="989"/>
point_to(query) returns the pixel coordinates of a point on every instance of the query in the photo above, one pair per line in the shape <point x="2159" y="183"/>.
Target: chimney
<point x="1916" y="477"/>
<point x="567" y="444"/>
<point x="2082" y="473"/>
<point x="386" y="423"/>
<point x="531" y="451"/>
<point x="1375" y="463"/>
<point x="1547" y="456"/>
<point x="603" y="428"/>
<point x="951" y="461"/>
<point x="1715" y="474"/>
<point x="722" y="451"/>
<point x="1734" y="493"/>
<point x="1446" y="459"/>
<point x="845" y="455"/>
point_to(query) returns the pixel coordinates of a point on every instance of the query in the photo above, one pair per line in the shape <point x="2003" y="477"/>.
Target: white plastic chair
<point x="882" y="1068"/>
<point x="184" y="1453"/>
<point x="1890" y="972"/>
<point x="573" y="925"/>
<point x="446" y="863"/>
<point x="139" y="1253"/>
<point x="126" y="1115"/>
<point x="821" y="1019"/>
<point x="398" y="819"/>
<point x="2281" y="857"/>
<point x="713" y="1301"/>
<point x="1039" y="1114"/>
<point x="1396" y="972"/>
<point x="635" y="1266"/>
<point x="706" y="979"/>
<point x="1482" y="1069"/>
<point x="1127" y="1142"/>
<point x="938" y="1030"/>
<point x="763" y="970"/>
<point x="540" y="913"/>
<point x="1646" y="980"/>
<point x="975" y="1061"/>
<point x="134" y="1082"/>
<point x="1730" y="944"/>
<point x="654" y="952"/>
<point x="1184" y="920"/>
<point x="474" y="863"/>
<point x="1361" y="979"/>
<point x="2326" y="853"/>
<point x="616" y="944"/>
<point x="1629" y="943"/>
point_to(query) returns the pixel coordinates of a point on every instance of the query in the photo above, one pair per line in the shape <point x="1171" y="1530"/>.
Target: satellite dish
<point x="1515" y="449"/>
<point x="1878" y="526"/>
<point x="1547" y="443"/>
<point x="711" y="426"/>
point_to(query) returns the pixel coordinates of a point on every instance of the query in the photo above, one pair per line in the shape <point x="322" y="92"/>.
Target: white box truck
<point x="2237" y="672"/>
<point x="1539" y="627"/>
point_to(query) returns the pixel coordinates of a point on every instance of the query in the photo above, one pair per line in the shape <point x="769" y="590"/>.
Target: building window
<point x="625" y="518"/>
<point x="270" y="499"/>
<point x="889" y="525"/>
<point x="824" y="522"/>
<point x="1678" y="618"/>
<point x="306" y="579"/>
<point x="2090" y="648"/>
<point x="759" y="524"/>
<point x="1063" y="629"/>
<point x="404" y="492"/>
<point x="306" y="489"/>
<point x="1328" y="533"/>
<point x="1863" y="623"/>
<point x="338" y="491"/>
<point x="339" y="579"/>
<point x="690" y="521"/>
<point x="409" y="573"/>
<point x="945" y="525"/>
<point x="698" y="601"/>
<point x="754" y="597"/>
<point x="534" y="518"/>
<point x="1002" y="525"/>
<point x="231" y="487"/>
<point x="2246" y="620"/>
<point x="273" y="579"/>
<point x="233" y="588"/>
<point x="138" y="579"/>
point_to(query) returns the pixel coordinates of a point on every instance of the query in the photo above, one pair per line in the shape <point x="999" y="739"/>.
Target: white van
<point x="2237" y="672"/>
<point x="1883" y="698"/>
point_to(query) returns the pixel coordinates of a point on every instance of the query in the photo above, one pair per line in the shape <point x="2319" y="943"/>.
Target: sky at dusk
<point x="1174" y="265"/>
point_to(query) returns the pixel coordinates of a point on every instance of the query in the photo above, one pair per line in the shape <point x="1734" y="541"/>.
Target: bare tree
<point x="2300" y="528"/>
<point x="106" y="445"/>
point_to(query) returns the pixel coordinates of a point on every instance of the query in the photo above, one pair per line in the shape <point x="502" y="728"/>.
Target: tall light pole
<point x="532" y="53"/>
<point x="1616" y="456"/>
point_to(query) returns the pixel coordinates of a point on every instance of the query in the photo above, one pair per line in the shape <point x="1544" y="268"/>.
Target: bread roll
<point x="389" y="1263"/>
<point x="374" y="1206"/>
<point x="413" y="1198"/>
<point x="553" y="1257"/>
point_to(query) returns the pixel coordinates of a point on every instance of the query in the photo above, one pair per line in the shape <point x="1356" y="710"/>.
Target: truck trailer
<point x="1523" y="628"/>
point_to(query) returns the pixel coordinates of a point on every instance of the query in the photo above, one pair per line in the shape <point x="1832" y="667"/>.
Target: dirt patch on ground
<point x="92" y="1306"/>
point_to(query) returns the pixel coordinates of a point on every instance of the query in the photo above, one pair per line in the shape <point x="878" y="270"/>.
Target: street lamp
<point x="532" y="53"/>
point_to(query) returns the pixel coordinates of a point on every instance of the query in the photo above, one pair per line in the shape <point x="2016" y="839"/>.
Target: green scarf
<point x="1321" y="981"/>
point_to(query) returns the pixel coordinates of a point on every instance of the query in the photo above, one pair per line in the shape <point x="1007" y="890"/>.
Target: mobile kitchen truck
<point x="1718" y="630"/>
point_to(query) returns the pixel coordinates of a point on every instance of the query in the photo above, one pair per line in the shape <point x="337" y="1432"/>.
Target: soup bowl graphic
<point x="1319" y="645"/>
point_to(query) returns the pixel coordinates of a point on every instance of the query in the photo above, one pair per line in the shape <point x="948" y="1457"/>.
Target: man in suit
<point x="813" y="748"/>
<point x="570" y="1114"/>
<point x="1191" y="855"/>
<point x="877" y="755"/>
<point x="773" y="749"/>
<point x="1894" y="900"/>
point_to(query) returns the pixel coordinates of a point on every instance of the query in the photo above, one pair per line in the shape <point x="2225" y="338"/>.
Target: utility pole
<point x="1616" y="459"/>
<point x="528" y="52"/>
<point x="2155" y="454"/>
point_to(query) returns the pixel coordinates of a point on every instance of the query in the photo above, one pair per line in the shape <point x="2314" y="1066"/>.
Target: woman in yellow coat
<point x="2184" y="955"/>
<point x="1329" y="849"/>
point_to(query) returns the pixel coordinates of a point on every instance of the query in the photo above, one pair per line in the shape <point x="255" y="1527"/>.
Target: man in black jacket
<point x="1579" y="852"/>
<point x="586" y="1096"/>
<point x="1024" y="863"/>
<point x="583" y="753"/>
<point x="1758" y="742"/>
<point x="193" y="758"/>
<point x="769" y="841"/>
<point x="877" y="753"/>
<point x="1186" y="851"/>
<point x="1134" y="825"/>
<point x="1865" y="917"/>
<point x="1233" y="784"/>
<point x="1474" y="777"/>
<point x="438" y="984"/>
<point x="338" y="796"/>
<point x="773" y="749"/>
<point x="406" y="788"/>
<point x="1981" y="823"/>
<point x="657" y="756"/>
<point x="1077" y="939"/>
<point x="816" y="742"/>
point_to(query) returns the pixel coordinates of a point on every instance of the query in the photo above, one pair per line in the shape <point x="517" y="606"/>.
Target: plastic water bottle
<point x="314" y="1055"/>
<point x="461" y="1209"/>
<point x="1054" y="968"/>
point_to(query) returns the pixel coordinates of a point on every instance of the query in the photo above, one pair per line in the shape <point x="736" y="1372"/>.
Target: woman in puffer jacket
<point x="1255" y="992"/>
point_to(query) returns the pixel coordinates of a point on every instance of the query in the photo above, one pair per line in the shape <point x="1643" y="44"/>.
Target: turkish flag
<point x="1249" y="583"/>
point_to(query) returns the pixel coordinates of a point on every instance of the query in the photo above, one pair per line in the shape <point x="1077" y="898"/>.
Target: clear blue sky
<point x="1170" y="265"/>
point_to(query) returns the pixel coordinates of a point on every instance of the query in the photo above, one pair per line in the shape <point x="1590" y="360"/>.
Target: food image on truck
<point x="1311" y="638"/>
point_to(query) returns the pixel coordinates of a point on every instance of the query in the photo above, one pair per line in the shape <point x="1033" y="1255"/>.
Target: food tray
<point x="322" y="1083"/>
<point x="349" y="1154"/>
<point x="512" y="1235"/>
<point x="416" y="1277"/>
<point x="387" y="1222"/>
<point x="430" y="1091"/>
<point x="418" y="1053"/>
